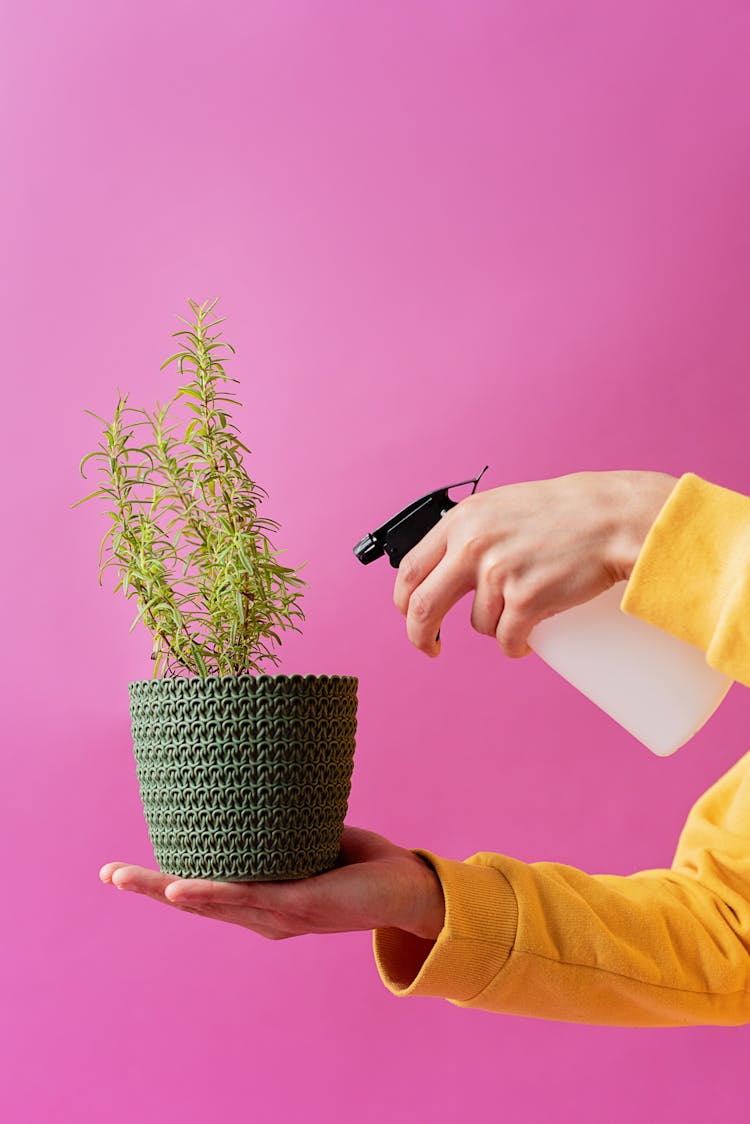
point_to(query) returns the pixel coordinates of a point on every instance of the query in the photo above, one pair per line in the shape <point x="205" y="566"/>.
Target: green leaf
<point x="199" y="560"/>
<point x="244" y="556"/>
<point x="144" y="609"/>
<point x="171" y="359"/>
<point x="110" y="531"/>
<point x="98" y="418"/>
<point x="200" y="662"/>
<point x="191" y="336"/>
<point x="88" y="457"/>
<point x="89" y="497"/>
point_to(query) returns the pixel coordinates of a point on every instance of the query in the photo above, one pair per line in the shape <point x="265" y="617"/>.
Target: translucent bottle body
<point x="659" y="688"/>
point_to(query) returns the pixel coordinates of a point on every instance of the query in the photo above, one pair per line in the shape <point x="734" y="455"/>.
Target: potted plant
<point x="243" y="775"/>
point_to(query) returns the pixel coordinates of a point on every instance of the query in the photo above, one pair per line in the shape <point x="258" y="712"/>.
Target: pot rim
<point x="260" y="678"/>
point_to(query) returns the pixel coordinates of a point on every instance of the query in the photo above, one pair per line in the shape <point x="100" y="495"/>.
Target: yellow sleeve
<point x="692" y="576"/>
<point x="656" y="948"/>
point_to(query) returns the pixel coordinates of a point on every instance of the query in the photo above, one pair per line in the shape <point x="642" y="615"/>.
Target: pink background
<point x="445" y="234"/>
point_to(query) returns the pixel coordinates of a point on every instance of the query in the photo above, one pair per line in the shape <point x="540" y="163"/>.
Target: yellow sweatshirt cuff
<point x="692" y="576"/>
<point x="481" y="916"/>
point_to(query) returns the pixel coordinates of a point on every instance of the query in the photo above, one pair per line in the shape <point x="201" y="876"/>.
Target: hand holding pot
<point x="375" y="885"/>
<point x="528" y="551"/>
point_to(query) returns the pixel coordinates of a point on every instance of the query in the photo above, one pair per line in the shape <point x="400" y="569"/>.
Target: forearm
<point x="657" y="948"/>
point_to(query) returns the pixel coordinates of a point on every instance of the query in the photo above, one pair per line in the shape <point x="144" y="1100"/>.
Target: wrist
<point x="428" y="904"/>
<point x="637" y="499"/>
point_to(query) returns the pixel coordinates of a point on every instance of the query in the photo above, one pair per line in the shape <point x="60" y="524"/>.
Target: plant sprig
<point x="186" y="538"/>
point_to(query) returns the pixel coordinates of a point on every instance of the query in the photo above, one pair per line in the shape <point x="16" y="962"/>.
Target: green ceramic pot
<point x="246" y="777"/>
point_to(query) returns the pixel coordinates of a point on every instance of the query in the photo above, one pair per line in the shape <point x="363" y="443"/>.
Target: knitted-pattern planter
<point x="247" y="777"/>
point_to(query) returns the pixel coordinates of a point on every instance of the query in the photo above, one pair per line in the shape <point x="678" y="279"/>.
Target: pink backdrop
<point x="446" y="234"/>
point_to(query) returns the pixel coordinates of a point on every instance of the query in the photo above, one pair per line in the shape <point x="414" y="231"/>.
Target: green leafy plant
<point x="186" y="537"/>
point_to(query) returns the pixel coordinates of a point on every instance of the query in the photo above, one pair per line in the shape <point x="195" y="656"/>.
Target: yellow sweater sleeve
<point x="692" y="576"/>
<point x="656" y="948"/>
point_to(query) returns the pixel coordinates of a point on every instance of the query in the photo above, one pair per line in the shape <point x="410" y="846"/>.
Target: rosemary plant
<point x="186" y="537"/>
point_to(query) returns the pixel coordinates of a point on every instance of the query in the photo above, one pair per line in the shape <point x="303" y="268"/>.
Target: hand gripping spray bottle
<point x="657" y="687"/>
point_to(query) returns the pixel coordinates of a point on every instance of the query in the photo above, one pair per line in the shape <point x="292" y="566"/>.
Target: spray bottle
<point x="657" y="687"/>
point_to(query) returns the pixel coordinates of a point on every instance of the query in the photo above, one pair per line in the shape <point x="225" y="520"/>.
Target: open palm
<point x="375" y="884"/>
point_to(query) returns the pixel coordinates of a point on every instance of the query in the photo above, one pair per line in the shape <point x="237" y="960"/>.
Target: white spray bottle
<point x="657" y="687"/>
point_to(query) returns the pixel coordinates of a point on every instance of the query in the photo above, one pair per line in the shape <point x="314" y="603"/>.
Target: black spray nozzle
<point x="398" y="535"/>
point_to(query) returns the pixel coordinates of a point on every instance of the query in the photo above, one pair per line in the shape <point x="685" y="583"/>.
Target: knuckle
<point x="465" y="512"/>
<point x="524" y="605"/>
<point x="523" y="598"/>
<point x="420" y="607"/>
<point x="495" y="573"/>
<point x="407" y="570"/>
<point x="472" y="549"/>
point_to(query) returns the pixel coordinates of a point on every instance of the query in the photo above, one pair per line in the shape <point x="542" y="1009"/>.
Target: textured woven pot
<point x="247" y="777"/>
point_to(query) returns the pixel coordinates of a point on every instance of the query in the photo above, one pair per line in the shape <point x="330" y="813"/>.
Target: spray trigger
<point x="402" y="531"/>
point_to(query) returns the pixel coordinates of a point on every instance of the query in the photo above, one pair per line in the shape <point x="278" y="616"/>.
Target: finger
<point x="323" y="903"/>
<point x="126" y="876"/>
<point x="513" y="631"/>
<point x="167" y="889"/>
<point x="417" y="564"/>
<point x="263" y="897"/>
<point x="430" y="601"/>
<point x="106" y="872"/>
<point x="487" y="609"/>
